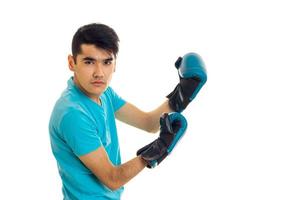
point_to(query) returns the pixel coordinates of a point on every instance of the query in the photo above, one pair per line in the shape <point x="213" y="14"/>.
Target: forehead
<point x="95" y="52"/>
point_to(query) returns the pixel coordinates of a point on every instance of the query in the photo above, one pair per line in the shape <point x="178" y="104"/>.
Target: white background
<point x="243" y="136"/>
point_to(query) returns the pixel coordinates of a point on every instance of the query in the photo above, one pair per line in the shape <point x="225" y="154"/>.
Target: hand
<point x="172" y="128"/>
<point x="192" y="75"/>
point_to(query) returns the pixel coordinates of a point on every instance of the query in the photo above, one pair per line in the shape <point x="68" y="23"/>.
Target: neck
<point x="94" y="98"/>
<point x="99" y="101"/>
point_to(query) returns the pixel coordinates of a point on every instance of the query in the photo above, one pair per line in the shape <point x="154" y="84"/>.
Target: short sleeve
<point x="80" y="133"/>
<point x="117" y="101"/>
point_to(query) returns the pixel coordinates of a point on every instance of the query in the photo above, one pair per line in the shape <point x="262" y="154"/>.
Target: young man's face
<point x="93" y="70"/>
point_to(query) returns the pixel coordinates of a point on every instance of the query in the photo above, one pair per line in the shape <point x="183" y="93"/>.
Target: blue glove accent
<point x="172" y="128"/>
<point x="174" y="116"/>
<point x="192" y="65"/>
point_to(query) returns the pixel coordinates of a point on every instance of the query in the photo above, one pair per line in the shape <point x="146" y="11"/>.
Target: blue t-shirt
<point x="79" y="126"/>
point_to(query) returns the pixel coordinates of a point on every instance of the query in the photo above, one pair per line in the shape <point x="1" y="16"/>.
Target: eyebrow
<point x="89" y="59"/>
<point x="109" y="59"/>
<point x="93" y="59"/>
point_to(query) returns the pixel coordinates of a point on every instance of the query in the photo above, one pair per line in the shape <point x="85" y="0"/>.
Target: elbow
<point x="112" y="181"/>
<point x="151" y="126"/>
<point x="152" y="130"/>
<point x="111" y="185"/>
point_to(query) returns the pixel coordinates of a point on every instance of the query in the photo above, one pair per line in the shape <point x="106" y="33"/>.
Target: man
<point x="82" y="127"/>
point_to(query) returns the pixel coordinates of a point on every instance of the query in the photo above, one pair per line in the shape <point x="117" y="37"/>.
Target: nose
<point x="98" y="73"/>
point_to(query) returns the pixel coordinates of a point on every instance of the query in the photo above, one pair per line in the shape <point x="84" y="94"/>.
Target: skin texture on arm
<point x="110" y="175"/>
<point x="98" y="161"/>
<point x="148" y="121"/>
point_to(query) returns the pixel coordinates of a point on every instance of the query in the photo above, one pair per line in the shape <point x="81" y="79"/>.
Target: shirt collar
<point x="73" y="87"/>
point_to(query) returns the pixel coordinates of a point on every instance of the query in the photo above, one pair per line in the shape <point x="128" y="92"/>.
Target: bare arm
<point x="110" y="175"/>
<point x="148" y="121"/>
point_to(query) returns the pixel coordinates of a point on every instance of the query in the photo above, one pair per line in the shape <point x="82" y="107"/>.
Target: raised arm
<point x="148" y="121"/>
<point x="172" y="128"/>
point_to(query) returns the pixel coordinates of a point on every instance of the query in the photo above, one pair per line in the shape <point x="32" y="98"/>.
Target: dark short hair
<point x="100" y="35"/>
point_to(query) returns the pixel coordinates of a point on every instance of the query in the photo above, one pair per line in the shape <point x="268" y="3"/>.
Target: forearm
<point x="153" y="116"/>
<point x="125" y="172"/>
<point x="110" y="175"/>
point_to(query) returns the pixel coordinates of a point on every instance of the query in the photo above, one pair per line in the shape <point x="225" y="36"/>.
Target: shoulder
<point x="69" y="109"/>
<point x="115" y="100"/>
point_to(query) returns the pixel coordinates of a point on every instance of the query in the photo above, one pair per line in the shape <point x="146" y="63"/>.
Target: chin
<point x="99" y="90"/>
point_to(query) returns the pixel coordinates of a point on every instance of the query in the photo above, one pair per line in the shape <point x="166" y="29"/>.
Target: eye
<point x="88" y="62"/>
<point x="107" y="62"/>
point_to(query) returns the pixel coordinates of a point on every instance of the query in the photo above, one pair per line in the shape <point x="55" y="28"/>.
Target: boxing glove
<point x="172" y="129"/>
<point x="192" y="76"/>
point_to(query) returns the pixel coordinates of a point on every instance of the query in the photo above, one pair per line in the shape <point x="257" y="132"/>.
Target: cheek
<point x="85" y="72"/>
<point x="109" y="72"/>
<point x="84" y="76"/>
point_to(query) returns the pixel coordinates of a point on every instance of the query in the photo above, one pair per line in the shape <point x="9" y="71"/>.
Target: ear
<point x="71" y="62"/>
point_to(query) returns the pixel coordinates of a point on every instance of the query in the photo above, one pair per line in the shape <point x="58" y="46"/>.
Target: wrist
<point x="142" y="161"/>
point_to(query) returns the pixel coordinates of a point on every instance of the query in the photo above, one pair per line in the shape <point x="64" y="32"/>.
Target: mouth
<point x="98" y="83"/>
